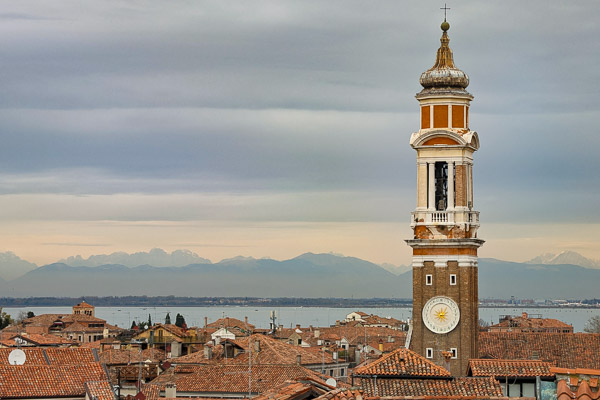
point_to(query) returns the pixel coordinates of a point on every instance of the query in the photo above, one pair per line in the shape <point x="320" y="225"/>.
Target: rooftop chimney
<point x="299" y="359"/>
<point x="170" y="390"/>
<point x="257" y="346"/>
<point x="205" y="322"/>
<point x="317" y="333"/>
<point x="297" y="326"/>
<point x="246" y="320"/>
<point x="524" y="315"/>
<point x="208" y="352"/>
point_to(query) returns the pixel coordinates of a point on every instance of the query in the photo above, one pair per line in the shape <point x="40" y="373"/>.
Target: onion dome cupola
<point x="444" y="100"/>
<point x="444" y="75"/>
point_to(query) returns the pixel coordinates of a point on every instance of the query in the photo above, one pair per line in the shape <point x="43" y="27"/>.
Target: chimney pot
<point x="299" y="359"/>
<point x="297" y="326"/>
<point x="170" y="390"/>
<point x="524" y="315"/>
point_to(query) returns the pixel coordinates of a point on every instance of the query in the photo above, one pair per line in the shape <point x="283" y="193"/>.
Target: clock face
<point x="441" y="314"/>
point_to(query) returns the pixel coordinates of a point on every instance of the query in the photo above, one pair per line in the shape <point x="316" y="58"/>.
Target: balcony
<point x="454" y="217"/>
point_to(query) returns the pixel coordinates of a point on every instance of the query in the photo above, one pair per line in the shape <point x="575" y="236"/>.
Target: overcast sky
<point x="272" y="128"/>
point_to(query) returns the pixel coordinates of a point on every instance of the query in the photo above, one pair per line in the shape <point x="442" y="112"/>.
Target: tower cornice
<point x="462" y="137"/>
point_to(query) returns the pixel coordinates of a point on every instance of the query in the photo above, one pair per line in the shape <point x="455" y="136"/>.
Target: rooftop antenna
<point x="445" y="10"/>
<point x="273" y="317"/>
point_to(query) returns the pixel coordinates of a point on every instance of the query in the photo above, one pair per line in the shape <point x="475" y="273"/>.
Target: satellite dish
<point x="17" y="357"/>
<point x="331" y="382"/>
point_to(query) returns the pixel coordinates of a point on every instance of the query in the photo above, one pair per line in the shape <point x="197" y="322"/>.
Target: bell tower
<point x="444" y="262"/>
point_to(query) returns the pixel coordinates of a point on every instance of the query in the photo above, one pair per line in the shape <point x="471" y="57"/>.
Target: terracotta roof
<point x="79" y="318"/>
<point x="531" y="324"/>
<point x="46" y="339"/>
<point x="273" y="351"/>
<point x="230" y="322"/>
<point x="387" y="346"/>
<point x="302" y="388"/>
<point x="503" y="368"/>
<point x="195" y="358"/>
<point x="83" y="304"/>
<point x="442" y="388"/>
<point x="377" y="320"/>
<point x="174" y="329"/>
<point x="26" y="381"/>
<point x="129" y="356"/>
<point x="580" y="391"/>
<point x="37" y="339"/>
<point x="42" y="319"/>
<point x="288" y="390"/>
<point x="402" y="363"/>
<point x="342" y="394"/>
<point x="79" y="327"/>
<point x="230" y="378"/>
<point x="359" y="335"/>
<point x="566" y="350"/>
<point x="99" y="390"/>
<point x="152" y="392"/>
<point x="33" y="356"/>
<point x="70" y="355"/>
<point x="52" y="356"/>
<point x="577" y="383"/>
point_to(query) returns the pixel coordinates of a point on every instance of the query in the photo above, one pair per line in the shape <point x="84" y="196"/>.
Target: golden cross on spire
<point x="445" y="10"/>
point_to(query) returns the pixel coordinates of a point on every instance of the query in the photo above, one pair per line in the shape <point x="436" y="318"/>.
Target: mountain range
<point x="565" y="257"/>
<point x="308" y="275"/>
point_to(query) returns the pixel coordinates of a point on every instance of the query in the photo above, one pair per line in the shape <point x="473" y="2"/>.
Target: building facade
<point x="445" y="223"/>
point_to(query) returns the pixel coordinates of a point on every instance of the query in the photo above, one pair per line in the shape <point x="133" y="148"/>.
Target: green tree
<point x="149" y="320"/>
<point x="180" y="321"/>
<point x="593" y="325"/>
<point x="30" y="314"/>
<point x="5" y="319"/>
<point x="133" y="325"/>
<point x="168" y="319"/>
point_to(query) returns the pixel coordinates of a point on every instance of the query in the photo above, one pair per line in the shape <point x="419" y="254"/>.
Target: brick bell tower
<point x="445" y="300"/>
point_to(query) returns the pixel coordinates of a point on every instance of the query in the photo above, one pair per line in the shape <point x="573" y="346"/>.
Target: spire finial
<point x="445" y="25"/>
<point x="445" y="10"/>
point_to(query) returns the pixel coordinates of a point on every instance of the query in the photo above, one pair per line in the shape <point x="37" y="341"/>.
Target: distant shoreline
<point x="134" y="301"/>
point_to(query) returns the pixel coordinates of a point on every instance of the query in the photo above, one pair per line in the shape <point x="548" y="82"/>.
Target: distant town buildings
<point x="529" y="323"/>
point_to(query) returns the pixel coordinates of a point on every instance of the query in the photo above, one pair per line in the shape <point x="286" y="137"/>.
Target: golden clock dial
<point x="441" y="314"/>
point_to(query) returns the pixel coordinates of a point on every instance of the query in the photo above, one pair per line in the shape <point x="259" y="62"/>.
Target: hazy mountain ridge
<point x="395" y="269"/>
<point x="307" y="275"/>
<point x="565" y="257"/>
<point x="13" y="266"/>
<point x="156" y="257"/>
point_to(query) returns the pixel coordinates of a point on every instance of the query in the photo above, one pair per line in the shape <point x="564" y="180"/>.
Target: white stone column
<point x="431" y="190"/>
<point x="422" y="186"/>
<point x="451" y="185"/>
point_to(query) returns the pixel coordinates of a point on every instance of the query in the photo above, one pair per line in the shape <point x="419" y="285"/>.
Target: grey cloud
<point x="237" y="97"/>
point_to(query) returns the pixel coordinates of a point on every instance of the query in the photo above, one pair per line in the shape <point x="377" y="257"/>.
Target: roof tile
<point x="402" y="363"/>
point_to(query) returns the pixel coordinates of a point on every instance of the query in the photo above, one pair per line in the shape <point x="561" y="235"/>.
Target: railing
<point x="444" y="217"/>
<point x="439" y="216"/>
<point x="474" y="217"/>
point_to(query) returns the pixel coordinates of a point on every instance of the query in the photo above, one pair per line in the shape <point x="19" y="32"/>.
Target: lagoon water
<point x="290" y="316"/>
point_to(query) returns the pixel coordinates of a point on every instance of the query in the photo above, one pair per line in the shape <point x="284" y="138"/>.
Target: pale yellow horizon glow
<point x="44" y="242"/>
